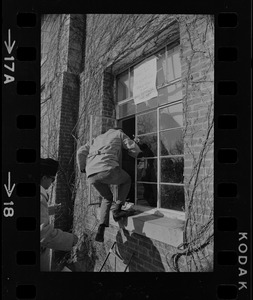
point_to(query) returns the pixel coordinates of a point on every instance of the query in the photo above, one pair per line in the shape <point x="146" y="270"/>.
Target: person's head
<point x="48" y="171"/>
<point x="116" y="127"/>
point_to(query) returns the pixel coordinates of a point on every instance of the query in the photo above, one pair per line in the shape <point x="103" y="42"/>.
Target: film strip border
<point x="20" y="160"/>
<point x="232" y="194"/>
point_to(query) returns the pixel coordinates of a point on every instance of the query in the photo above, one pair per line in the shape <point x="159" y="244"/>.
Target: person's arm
<point x="130" y="145"/>
<point x="51" y="237"/>
<point x="53" y="208"/>
<point x="81" y="157"/>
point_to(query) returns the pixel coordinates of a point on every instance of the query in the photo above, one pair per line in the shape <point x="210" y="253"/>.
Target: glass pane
<point x="161" y="67"/>
<point x="147" y="170"/>
<point x="171" y="75"/>
<point x="170" y="93"/>
<point x="151" y="103"/>
<point x="128" y="162"/>
<point x="122" y="86"/>
<point x="128" y="165"/>
<point x="149" y="144"/>
<point x="131" y="81"/>
<point x="177" y="64"/>
<point x="173" y="65"/>
<point x="172" y="170"/>
<point x="147" y="123"/>
<point x="172" y="197"/>
<point x="128" y="126"/>
<point x="126" y="109"/>
<point x="171" y="142"/>
<point x="171" y="116"/>
<point x="146" y="147"/>
<point x="147" y="194"/>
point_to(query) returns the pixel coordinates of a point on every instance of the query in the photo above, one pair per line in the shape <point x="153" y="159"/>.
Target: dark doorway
<point x="128" y="162"/>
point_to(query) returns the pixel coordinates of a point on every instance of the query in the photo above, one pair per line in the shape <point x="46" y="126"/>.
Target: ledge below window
<point x="161" y="228"/>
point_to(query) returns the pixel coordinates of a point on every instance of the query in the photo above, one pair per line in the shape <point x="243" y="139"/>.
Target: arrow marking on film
<point x="9" y="46"/>
<point x="8" y="189"/>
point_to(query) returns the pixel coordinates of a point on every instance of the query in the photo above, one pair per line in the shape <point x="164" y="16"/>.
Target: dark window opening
<point x="128" y="162"/>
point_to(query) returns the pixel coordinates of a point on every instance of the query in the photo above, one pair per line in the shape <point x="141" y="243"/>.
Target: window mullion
<point x="128" y="84"/>
<point x="135" y="167"/>
<point x="166" y="67"/>
<point x="158" y="161"/>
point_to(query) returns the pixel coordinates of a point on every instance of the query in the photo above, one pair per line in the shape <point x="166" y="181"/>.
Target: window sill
<point x="158" y="227"/>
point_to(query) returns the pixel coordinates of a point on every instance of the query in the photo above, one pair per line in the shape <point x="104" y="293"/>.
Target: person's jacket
<point x="50" y="237"/>
<point x="104" y="152"/>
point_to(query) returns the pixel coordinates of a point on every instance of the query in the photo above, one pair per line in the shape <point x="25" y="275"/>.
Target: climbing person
<point x="100" y="160"/>
<point x="50" y="237"/>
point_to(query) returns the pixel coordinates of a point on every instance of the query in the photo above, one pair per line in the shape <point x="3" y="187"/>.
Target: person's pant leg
<point x="107" y="198"/>
<point x="102" y="182"/>
<point x="120" y="178"/>
<point x="124" y="186"/>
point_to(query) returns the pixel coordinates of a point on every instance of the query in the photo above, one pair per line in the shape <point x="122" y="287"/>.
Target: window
<point x="158" y="123"/>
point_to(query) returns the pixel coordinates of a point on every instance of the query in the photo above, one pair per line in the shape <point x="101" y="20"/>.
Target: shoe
<point x="100" y="234"/>
<point x="117" y="213"/>
<point x="128" y="206"/>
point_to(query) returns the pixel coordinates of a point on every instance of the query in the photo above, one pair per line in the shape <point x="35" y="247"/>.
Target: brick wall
<point x="52" y="83"/>
<point x="108" y="104"/>
<point x="51" y="80"/>
<point x="198" y="82"/>
<point x="197" y="40"/>
<point x="148" y="255"/>
<point x="54" y="44"/>
<point x="66" y="175"/>
<point x="62" y="64"/>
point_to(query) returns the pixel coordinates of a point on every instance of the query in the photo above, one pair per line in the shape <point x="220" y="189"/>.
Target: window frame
<point x="167" y="47"/>
<point x="179" y="214"/>
<point x="158" y="208"/>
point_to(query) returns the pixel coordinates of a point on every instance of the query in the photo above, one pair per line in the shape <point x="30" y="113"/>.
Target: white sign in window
<point x="145" y="81"/>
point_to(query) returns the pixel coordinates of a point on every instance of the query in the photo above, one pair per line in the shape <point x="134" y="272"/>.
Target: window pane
<point x="170" y="93"/>
<point x="171" y="117"/>
<point x="131" y="81"/>
<point x="147" y="123"/>
<point x="172" y="197"/>
<point x="173" y="65"/>
<point x="161" y="67"/>
<point x="145" y="145"/>
<point x="171" y="142"/>
<point x="122" y="86"/>
<point x="149" y="143"/>
<point x="147" y="170"/>
<point x="177" y="64"/>
<point x="172" y="170"/>
<point x="147" y="194"/>
<point x="127" y="109"/>
<point x="171" y="76"/>
<point x="151" y="103"/>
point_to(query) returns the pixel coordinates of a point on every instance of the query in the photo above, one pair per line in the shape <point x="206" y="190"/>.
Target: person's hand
<point x="136" y="140"/>
<point x="52" y="209"/>
<point x="75" y="240"/>
<point x="57" y="206"/>
<point x="141" y="155"/>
